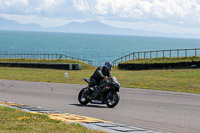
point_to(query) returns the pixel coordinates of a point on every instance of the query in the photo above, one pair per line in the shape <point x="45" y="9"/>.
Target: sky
<point x="167" y="16"/>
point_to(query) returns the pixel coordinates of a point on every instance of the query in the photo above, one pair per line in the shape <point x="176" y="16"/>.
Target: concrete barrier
<point x="180" y="65"/>
<point x="64" y="66"/>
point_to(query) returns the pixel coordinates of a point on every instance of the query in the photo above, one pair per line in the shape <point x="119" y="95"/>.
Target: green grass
<point x="181" y="80"/>
<point x="184" y="80"/>
<point x="83" y="65"/>
<point x="162" y="60"/>
<point x="17" y="121"/>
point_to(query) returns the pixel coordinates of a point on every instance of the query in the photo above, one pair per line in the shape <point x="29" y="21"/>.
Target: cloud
<point x="174" y="12"/>
<point x="81" y="5"/>
<point x="34" y="7"/>
<point x="10" y="3"/>
<point x="125" y="8"/>
<point x="171" y="10"/>
<point x="130" y="10"/>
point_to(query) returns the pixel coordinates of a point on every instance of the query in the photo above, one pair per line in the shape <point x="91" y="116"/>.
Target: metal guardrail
<point x="135" y="55"/>
<point x="43" y="56"/>
<point x="158" y="54"/>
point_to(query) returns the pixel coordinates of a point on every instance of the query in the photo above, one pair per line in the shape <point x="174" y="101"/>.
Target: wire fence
<point x="159" y="54"/>
<point x="43" y="56"/>
<point x="135" y="55"/>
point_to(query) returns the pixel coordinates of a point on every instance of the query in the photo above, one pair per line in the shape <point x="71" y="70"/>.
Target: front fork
<point x="88" y="92"/>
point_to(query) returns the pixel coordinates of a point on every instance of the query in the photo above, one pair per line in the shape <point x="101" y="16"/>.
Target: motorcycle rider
<point x="98" y="76"/>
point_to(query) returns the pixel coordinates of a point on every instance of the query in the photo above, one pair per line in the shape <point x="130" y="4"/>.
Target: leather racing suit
<point x="98" y="76"/>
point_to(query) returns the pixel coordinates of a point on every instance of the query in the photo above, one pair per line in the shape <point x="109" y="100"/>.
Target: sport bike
<point x="105" y="93"/>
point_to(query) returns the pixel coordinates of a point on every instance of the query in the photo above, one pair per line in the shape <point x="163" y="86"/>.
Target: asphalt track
<point x="160" y="111"/>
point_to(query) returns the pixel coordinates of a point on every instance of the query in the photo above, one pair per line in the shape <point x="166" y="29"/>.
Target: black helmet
<point x="108" y="65"/>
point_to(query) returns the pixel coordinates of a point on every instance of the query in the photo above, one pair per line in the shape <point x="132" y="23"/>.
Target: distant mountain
<point x="93" y="27"/>
<point x="90" y="27"/>
<point x="13" y="25"/>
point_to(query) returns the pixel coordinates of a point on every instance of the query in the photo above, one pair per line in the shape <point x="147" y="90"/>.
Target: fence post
<point x="163" y="53"/>
<point x="150" y="54"/>
<point x="156" y="54"/>
<point x="170" y="53"/>
<point x="185" y="52"/>
<point x="195" y="52"/>
<point x="178" y="53"/>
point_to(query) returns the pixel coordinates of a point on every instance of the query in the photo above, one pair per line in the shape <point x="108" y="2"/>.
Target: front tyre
<point x="112" y="99"/>
<point x="82" y="97"/>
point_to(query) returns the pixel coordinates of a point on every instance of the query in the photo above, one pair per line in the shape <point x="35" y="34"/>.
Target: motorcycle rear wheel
<point x="112" y="99"/>
<point x="81" y="97"/>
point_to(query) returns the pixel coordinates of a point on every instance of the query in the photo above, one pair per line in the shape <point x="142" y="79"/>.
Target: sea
<point x="95" y="47"/>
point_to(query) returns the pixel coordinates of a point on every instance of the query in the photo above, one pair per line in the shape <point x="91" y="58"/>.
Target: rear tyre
<point x="82" y="97"/>
<point x="112" y="99"/>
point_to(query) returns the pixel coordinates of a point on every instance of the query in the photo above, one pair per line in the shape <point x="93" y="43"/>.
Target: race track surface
<point x="160" y="111"/>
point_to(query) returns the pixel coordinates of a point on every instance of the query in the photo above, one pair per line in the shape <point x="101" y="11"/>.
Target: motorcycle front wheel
<point x="112" y="99"/>
<point x="82" y="97"/>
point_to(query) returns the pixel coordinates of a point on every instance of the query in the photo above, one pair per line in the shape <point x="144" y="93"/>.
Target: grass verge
<point x="83" y="65"/>
<point x="181" y="80"/>
<point x="17" y="121"/>
<point x="163" y="60"/>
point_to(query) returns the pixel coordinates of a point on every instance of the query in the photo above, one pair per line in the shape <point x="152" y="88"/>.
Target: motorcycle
<point x="105" y="93"/>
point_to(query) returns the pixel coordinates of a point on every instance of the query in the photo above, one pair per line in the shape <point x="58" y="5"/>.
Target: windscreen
<point x="115" y="80"/>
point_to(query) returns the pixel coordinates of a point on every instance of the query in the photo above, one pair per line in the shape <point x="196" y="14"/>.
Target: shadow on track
<point x="89" y="106"/>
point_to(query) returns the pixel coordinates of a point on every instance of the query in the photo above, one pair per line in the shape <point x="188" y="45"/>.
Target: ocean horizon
<point x="95" y="47"/>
